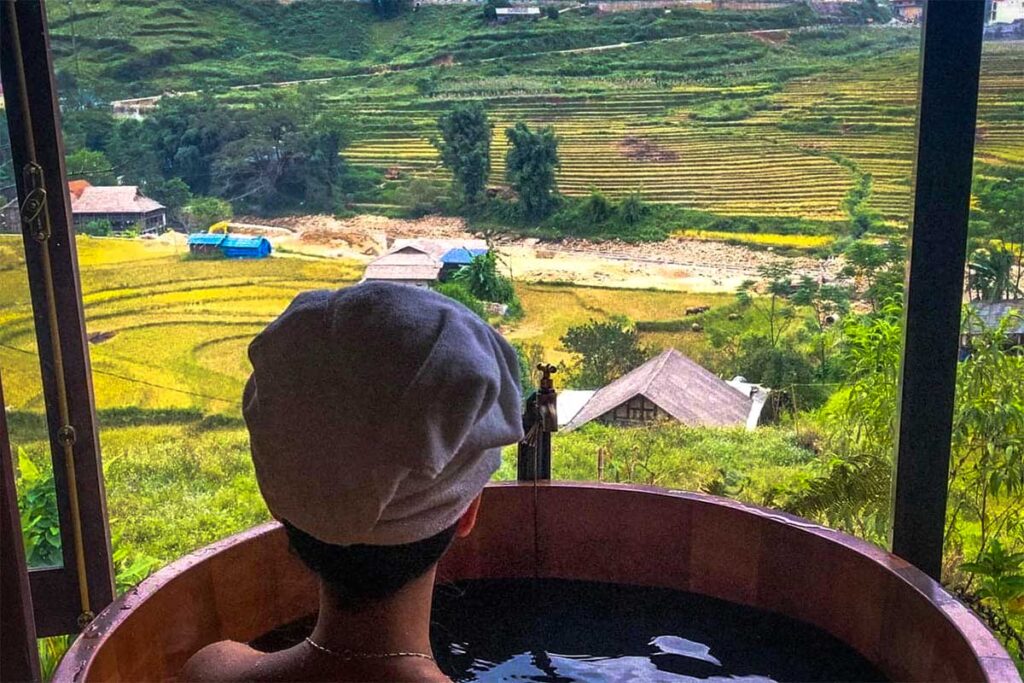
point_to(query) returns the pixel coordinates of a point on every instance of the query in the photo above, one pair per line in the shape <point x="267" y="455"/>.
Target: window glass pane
<point x="23" y="387"/>
<point x="733" y="188"/>
<point x="986" y="502"/>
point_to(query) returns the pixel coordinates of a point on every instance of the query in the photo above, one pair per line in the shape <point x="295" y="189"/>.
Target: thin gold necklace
<point x="349" y="655"/>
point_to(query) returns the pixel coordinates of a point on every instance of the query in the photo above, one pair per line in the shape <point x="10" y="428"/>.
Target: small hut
<point x="229" y="246"/>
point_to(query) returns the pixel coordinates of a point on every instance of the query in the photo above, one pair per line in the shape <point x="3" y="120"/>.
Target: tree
<point x="92" y="166"/>
<point x="990" y="274"/>
<point x="827" y="302"/>
<point x="172" y="193"/>
<point x="529" y="356"/>
<point x="1001" y="210"/>
<point x="465" y="147"/>
<point x="605" y="351"/>
<point x="285" y="158"/>
<point x="202" y="212"/>
<point x="90" y="128"/>
<point x="551" y="12"/>
<point x="776" y="311"/>
<point x="132" y="153"/>
<point x="877" y="270"/>
<point x="778" y="367"/>
<point x="530" y="165"/>
<point x="387" y="9"/>
<point x="186" y="133"/>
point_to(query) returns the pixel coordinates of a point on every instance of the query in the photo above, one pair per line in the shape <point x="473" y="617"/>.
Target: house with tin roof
<point x="985" y="315"/>
<point x="123" y="206"/>
<point x="670" y="387"/>
<point x="422" y="262"/>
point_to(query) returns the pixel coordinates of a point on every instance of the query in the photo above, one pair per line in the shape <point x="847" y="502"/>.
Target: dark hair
<point x="358" y="573"/>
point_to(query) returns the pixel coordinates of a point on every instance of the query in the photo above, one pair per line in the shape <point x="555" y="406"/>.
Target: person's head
<point x="360" y="574"/>
<point x="376" y="415"/>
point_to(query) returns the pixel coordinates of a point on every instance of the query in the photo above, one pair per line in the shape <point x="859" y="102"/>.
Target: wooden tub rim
<point x="76" y="662"/>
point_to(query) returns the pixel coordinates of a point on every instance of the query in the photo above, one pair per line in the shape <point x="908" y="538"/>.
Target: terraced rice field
<point x="798" y="152"/>
<point x="169" y="333"/>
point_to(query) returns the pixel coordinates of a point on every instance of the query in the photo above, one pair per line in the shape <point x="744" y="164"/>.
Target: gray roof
<point x="677" y="385"/>
<point x="989" y="315"/>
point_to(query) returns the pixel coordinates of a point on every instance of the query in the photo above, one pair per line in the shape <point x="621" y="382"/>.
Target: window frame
<point x="26" y="67"/>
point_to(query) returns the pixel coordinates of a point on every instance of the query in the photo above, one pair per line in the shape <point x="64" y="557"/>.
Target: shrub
<point x="37" y="503"/>
<point x="552" y="12"/>
<point x="595" y="208"/>
<point x="97" y="228"/>
<point x="422" y="197"/>
<point x="632" y="209"/>
<point x="458" y="292"/>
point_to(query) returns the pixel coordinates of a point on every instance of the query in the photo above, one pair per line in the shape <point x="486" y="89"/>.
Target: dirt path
<point x="675" y="264"/>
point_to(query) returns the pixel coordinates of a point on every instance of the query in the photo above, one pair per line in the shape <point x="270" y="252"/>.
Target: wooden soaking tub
<point x="895" y="616"/>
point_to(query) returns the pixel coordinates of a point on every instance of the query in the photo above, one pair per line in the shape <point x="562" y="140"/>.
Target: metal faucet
<point x="540" y="419"/>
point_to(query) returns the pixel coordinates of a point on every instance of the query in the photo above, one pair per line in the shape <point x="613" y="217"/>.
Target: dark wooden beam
<point x="19" y="655"/>
<point x="947" y="115"/>
<point x="26" y="68"/>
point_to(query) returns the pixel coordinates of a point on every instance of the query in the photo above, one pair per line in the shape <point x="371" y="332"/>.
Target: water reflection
<point x="554" y="631"/>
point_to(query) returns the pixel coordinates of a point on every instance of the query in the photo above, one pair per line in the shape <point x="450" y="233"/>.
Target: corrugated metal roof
<point x="228" y="241"/>
<point x="989" y="315"/>
<point x="461" y="255"/>
<point x="113" y="199"/>
<point x="513" y="11"/>
<point x="437" y="247"/>
<point x="677" y="385"/>
<point x="384" y="271"/>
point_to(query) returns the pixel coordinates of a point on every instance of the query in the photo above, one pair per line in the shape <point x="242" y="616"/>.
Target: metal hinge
<point x="34" y="216"/>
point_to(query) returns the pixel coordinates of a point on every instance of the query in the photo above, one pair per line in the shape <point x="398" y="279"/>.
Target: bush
<point x="458" y="292"/>
<point x="632" y="209"/>
<point x="98" y="228"/>
<point x="595" y="208"/>
<point x="37" y="503"/>
<point x="202" y="212"/>
<point x="552" y="12"/>
<point x="422" y="197"/>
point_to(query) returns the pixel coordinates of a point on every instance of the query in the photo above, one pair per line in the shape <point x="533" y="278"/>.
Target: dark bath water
<point x="550" y="630"/>
<point x="553" y="631"/>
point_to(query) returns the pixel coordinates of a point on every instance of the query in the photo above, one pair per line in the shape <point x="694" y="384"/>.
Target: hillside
<point x="131" y="48"/>
<point x="766" y="116"/>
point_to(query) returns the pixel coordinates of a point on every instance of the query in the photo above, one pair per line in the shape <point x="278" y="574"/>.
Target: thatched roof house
<point x="670" y="386"/>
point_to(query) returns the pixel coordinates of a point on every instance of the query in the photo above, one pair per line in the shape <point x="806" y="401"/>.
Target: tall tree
<point x="827" y="302"/>
<point x="465" y="147"/>
<point x="775" y="306"/>
<point x="90" y="165"/>
<point x="605" y="351"/>
<point x="530" y="165"/>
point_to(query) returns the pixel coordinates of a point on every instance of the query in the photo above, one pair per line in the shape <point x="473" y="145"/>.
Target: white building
<point x="1006" y="11"/>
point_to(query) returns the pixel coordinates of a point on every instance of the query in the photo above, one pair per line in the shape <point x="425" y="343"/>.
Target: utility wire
<point x="138" y="381"/>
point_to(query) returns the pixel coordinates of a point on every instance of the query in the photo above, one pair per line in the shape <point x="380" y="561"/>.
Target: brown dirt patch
<point x="641" y="149"/>
<point x="771" y="37"/>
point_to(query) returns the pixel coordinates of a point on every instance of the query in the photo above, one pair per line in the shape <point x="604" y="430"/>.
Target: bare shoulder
<point x="223" y="661"/>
